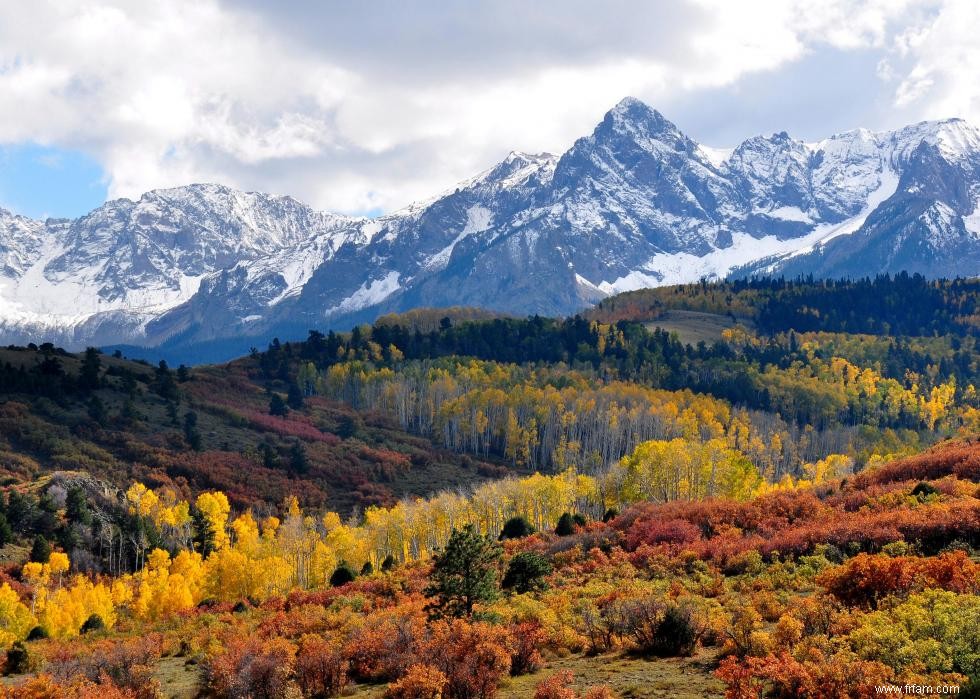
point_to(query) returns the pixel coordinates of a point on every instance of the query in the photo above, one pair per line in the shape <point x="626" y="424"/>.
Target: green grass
<point x="178" y="679"/>
<point x="693" y="326"/>
<point x="629" y="677"/>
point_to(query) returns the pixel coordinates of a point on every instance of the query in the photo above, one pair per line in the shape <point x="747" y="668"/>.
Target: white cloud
<point x="357" y="106"/>
<point x="944" y="58"/>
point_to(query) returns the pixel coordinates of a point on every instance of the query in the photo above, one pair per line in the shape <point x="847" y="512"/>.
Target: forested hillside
<point x="458" y="505"/>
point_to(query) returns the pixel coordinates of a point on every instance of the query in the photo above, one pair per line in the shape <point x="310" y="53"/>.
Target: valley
<point x="648" y="500"/>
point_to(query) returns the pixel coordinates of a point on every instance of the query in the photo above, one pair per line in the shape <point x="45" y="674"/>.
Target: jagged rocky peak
<point x="518" y="167"/>
<point x="955" y="139"/>
<point x="634" y="203"/>
<point x="639" y="123"/>
<point x="774" y="171"/>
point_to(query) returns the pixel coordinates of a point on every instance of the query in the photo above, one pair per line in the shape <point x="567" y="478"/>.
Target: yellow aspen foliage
<point x="269" y="526"/>
<point x="58" y="564"/>
<point x="331" y="520"/>
<point x="122" y="593"/>
<point x="142" y="501"/>
<point x="229" y="574"/>
<point x="16" y="619"/>
<point x="36" y="574"/>
<point x="246" y="532"/>
<point x="66" y="609"/>
<point x="215" y="508"/>
<point x="833" y="466"/>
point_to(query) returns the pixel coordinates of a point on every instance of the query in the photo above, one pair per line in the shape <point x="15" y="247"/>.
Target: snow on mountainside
<point x="636" y="203"/>
<point x="127" y="262"/>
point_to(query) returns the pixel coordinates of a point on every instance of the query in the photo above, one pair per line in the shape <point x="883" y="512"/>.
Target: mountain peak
<point x="635" y="203"/>
<point x="630" y="110"/>
<point x="636" y="121"/>
<point x="629" y="103"/>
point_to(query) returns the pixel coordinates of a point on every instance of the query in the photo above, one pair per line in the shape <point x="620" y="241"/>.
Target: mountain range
<point x="203" y="271"/>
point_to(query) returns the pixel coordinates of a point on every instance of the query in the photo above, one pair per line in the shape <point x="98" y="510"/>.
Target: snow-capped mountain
<point x="637" y="203"/>
<point x="102" y="277"/>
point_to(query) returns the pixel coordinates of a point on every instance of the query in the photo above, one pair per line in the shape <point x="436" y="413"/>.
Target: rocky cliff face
<point x="636" y="203"/>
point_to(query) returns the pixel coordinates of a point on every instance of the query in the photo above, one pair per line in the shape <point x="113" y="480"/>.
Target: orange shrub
<point x="558" y="686"/>
<point x="473" y="656"/>
<point x="385" y="648"/>
<point x="864" y="580"/>
<point x="783" y="677"/>
<point x="39" y="687"/>
<point x="419" y="682"/>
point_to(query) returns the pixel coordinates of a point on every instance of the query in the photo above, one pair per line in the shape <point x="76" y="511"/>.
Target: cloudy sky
<point x="363" y="107"/>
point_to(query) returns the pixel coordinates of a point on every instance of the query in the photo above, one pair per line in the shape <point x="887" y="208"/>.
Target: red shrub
<point x="784" y="677"/>
<point x="525" y="639"/>
<point x="250" y="667"/>
<point x="960" y="459"/>
<point x="473" y="657"/>
<point x="864" y="580"/>
<point x="674" y="532"/>
<point x="321" y="670"/>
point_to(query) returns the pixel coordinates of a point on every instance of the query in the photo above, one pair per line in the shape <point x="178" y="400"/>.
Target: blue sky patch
<point x="44" y="181"/>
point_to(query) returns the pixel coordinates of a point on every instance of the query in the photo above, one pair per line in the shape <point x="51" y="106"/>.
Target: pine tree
<point x="565" y="526"/>
<point x="191" y="433"/>
<point x="6" y="533"/>
<point x="76" y="506"/>
<point x="516" y="528"/>
<point x="464" y="574"/>
<point x="277" y="406"/>
<point x="203" y="532"/>
<point x="88" y="377"/>
<point x="41" y="550"/>
<point x="97" y="411"/>
<point x="294" y="399"/>
<point x="298" y="463"/>
<point x="163" y="382"/>
<point x="342" y="575"/>
<point x="526" y="572"/>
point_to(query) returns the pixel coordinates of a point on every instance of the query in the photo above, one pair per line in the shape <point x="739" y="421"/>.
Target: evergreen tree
<point x="203" y="533"/>
<point x="270" y="456"/>
<point x="88" y="377"/>
<point x="97" y="411"/>
<point x="565" y="526"/>
<point x="191" y="433"/>
<point x="20" y="511"/>
<point x="464" y="574"/>
<point x="526" y="572"/>
<point x="342" y="575"/>
<point x="163" y="382"/>
<point x="294" y="399"/>
<point x="41" y="550"/>
<point x="76" y="506"/>
<point x="516" y="528"/>
<point x="6" y="533"/>
<point x="93" y="623"/>
<point x="298" y="463"/>
<point x="277" y="406"/>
